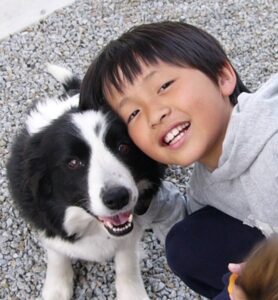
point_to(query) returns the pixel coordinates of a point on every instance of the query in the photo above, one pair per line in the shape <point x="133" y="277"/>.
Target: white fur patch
<point x="46" y="111"/>
<point x="76" y="221"/>
<point x="105" y="170"/>
<point x="59" y="73"/>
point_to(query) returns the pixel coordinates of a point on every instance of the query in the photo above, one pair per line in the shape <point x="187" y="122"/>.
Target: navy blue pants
<point x="199" y="248"/>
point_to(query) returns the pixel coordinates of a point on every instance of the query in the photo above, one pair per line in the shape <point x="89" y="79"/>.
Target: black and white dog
<point x="78" y="178"/>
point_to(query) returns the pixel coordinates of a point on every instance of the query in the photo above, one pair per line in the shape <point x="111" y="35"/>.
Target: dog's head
<point x="86" y="160"/>
<point x="70" y="166"/>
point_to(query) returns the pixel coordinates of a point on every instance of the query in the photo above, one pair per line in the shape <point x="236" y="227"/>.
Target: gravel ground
<point x="71" y="37"/>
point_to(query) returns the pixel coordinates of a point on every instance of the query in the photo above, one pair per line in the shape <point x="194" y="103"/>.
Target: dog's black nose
<point x="116" y="197"/>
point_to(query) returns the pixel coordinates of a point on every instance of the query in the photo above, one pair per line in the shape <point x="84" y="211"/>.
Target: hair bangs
<point x="126" y="66"/>
<point x="176" y="43"/>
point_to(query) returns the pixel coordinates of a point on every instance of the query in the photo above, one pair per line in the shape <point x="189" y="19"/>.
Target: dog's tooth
<point x="130" y="218"/>
<point x="108" y="224"/>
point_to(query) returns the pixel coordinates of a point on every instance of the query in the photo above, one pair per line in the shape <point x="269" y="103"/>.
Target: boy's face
<point x="176" y="115"/>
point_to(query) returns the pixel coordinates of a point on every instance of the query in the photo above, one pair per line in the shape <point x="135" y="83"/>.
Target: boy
<point x="178" y="93"/>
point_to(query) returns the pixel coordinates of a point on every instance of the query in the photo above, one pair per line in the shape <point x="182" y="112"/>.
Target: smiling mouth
<point x="118" y="225"/>
<point x="176" y="133"/>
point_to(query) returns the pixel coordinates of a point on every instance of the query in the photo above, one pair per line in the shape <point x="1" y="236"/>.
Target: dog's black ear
<point x="148" y="190"/>
<point x="43" y="210"/>
<point x="146" y="194"/>
<point x="38" y="177"/>
<point x="142" y="205"/>
<point x="39" y="182"/>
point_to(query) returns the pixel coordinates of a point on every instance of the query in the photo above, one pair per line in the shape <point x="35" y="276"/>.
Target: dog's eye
<point x="124" y="148"/>
<point x="74" y="164"/>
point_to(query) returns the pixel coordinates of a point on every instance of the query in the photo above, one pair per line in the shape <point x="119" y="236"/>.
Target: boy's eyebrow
<point x="124" y="100"/>
<point x="148" y="76"/>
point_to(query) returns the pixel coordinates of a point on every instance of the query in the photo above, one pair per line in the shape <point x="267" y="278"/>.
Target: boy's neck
<point x="211" y="160"/>
<point x="212" y="156"/>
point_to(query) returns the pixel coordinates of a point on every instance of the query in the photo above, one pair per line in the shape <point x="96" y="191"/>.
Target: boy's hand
<point x="237" y="293"/>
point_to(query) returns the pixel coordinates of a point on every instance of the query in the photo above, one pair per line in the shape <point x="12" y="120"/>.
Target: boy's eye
<point x="165" y="86"/>
<point x="133" y="115"/>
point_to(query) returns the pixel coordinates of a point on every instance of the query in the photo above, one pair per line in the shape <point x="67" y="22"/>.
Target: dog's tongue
<point x="119" y="219"/>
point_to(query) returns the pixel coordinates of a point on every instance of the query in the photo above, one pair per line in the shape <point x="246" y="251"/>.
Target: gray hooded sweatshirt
<point x="167" y="208"/>
<point x="245" y="183"/>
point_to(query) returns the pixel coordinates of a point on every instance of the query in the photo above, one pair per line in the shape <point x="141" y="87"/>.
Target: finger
<point x="236" y="268"/>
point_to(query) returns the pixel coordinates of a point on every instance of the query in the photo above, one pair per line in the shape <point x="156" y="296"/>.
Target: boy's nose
<point x="158" y="115"/>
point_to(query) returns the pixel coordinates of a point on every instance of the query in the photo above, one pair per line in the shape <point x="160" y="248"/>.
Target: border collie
<point x="78" y="178"/>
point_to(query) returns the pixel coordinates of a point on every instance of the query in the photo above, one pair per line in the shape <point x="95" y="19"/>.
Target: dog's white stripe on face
<point x="105" y="170"/>
<point x="47" y="111"/>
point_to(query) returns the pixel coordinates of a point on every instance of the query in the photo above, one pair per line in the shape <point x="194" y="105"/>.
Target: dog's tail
<point x="70" y="82"/>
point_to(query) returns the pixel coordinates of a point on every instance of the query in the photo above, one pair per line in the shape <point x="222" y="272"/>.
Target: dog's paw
<point x="57" y="293"/>
<point x="130" y="286"/>
<point x="133" y="297"/>
<point x="134" y="294"/>
<point x="58" y="288"/>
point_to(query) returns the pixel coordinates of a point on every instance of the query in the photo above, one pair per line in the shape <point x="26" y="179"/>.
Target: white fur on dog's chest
<point x="97" y="245"/>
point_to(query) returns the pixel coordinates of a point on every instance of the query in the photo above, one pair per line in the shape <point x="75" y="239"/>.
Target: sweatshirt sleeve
<point x="166" y="209"/>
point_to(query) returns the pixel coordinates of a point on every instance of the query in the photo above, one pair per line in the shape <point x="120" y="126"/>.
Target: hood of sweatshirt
<point x="253" y="122"/>
<point x="245" y="183"/>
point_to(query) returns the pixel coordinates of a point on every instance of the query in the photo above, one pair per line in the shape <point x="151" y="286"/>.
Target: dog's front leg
<point x="59" y="277"/>
<point x="129" y="283"/>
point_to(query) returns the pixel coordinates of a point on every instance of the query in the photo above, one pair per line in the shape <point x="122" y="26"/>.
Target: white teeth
<point x="175" y="133"/>
<point x="119" y="229"/>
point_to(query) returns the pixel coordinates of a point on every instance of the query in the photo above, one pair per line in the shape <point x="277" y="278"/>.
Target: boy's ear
<point x="227" y="79"/>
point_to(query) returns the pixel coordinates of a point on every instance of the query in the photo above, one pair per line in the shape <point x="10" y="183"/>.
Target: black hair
<point x="176" y="43"/>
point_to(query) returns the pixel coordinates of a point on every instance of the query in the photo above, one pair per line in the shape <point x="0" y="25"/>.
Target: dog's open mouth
<point x="119" y="224"/>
